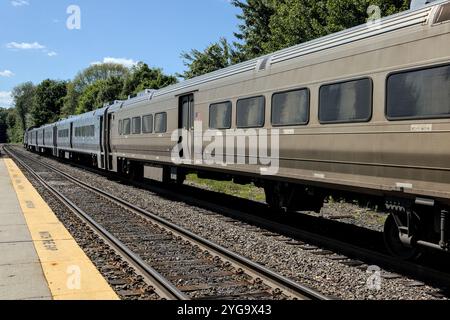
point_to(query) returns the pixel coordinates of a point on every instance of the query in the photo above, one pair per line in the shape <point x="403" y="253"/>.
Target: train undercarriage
<point x="411" y="225"/>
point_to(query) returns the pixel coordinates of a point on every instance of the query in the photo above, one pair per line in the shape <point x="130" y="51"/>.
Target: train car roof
<point x="391" y="23"/>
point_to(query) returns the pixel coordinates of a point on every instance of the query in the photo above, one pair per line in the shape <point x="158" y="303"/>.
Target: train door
<point x="55" y="140"/>
<point x="100" y="139"/>
<point x="107" y="137"/>
<point x="71" y="135"/>
<point x="186" y="123"/>
<point x="55" y="136"/>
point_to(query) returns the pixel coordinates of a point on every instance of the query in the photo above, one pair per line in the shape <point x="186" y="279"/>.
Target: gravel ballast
<point x="329" y="276"/>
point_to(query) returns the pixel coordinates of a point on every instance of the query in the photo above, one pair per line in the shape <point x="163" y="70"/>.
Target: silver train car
<point x="363" y="113"/>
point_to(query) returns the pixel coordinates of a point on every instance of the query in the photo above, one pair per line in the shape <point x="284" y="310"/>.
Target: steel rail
<point x="163" y="287"/>
<point x="289" y="286"/>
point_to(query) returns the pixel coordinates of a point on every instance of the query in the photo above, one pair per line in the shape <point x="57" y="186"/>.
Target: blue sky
<point x="35" y="43"/>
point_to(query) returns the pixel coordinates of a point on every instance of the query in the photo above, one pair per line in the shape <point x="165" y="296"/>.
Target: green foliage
<point x="270" y="25"/>
<point x="217" y="56"/>
<point x="254" y="31"/>
<point x="12" y="121"/>
<point x="23" y="97"/>
<point x="48" y="99"/>
<point x="142" y="77"/>
<point x="86" y="78"/>
<point x="296" y="21"/>
<point x="3" y="116"/>
<point x="98" y="93"/>
<point x="249" y="191"/>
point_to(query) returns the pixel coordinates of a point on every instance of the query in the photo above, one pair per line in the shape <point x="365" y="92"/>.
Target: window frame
<point x="231" y="115"/>
<point x="132" y="125"/>
<point x="264" y="112"/>
<point x="154" y="121"/>
<point x="394" y="119"/>
<point x="142" y="123"/>
<point x="348" y="121"/>
<point x="308" y="91"/>
<point x="123" y="129"/>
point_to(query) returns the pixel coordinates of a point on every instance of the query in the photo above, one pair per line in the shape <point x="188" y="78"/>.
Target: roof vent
<point x="263" y="64"/>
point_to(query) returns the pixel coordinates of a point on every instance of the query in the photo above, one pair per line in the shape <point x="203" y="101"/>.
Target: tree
<point x="297" y="21"/>
<point x="3" y="125"/>
<point x="217" y="56"/>
<point x="48" y="101"/>
<point x="98" y="93"/>
<point x="254" y="31"/>
<point x="14" y="130"/>
<point x="23" y="97"/>
<point x="86" y="78"/>
<point x="142" y="77"/>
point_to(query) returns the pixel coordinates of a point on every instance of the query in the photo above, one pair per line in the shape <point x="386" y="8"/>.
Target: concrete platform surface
<point x="39" y="259"/>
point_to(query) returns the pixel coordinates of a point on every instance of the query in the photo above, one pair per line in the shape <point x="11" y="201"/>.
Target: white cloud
<point x="25" y="46"/>
<point x="20" y="3"/>
<point x="123" y="61"/>
<point x="5" y="99"/>
<point x="6" y="73"/>
<point x="52" y="54"/>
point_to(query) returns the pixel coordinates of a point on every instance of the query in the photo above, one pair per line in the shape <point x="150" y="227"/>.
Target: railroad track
<point x="356" y="254"/>
<point x="177" y="263"/>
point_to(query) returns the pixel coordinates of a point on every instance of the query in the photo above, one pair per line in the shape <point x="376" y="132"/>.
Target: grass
<point x="249" y="191"/>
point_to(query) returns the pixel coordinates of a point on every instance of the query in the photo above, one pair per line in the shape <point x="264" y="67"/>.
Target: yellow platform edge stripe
<point x="69" y="272"/>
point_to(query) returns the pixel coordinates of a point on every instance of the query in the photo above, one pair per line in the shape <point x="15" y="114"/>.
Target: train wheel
<point x="393" y="243"/>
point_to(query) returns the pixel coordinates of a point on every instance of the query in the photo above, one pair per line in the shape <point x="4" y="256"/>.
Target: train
<point x="363" y="113"/>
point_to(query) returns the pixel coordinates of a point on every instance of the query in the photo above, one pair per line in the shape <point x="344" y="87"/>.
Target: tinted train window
<point x="147" y="124"/>
<point x="137" y="125"/>
<point x="126" y="126"/>
<point x="419" y="94"/>
<point x="290" y="108"/>
<point x="220" y="115"/>
<point x="160" y="122"/>
<point x="120" y="127"/>
<point x="349" y="101"/>
<point x="250" y="112"/>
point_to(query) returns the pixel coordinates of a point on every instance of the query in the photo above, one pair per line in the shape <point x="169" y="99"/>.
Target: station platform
<point x="39" y="259"/>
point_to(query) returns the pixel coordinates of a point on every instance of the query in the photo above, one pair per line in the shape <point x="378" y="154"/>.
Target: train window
<point x="126" y="126"/>
<point x="63" y="133"/>
<point x="343" y="102"/>
<point x="290" y="108"/>
<point x="147" y="124"/>
<point x="120" y="127"/>
<point x="136" y="125"/>
<point x="160" y="122"/>
<point x="250" y="112"/>
<point x="220" y="115"/>
<point x="419" y="94"/>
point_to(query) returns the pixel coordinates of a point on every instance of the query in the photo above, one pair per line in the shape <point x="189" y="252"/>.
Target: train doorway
<point x="186" y="124"/>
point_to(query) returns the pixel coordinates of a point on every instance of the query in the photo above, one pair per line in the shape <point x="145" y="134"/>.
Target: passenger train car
<point x="364" y="112"/>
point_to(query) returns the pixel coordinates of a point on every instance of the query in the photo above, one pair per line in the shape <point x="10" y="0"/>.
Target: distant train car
<point x="364" y="112"/>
